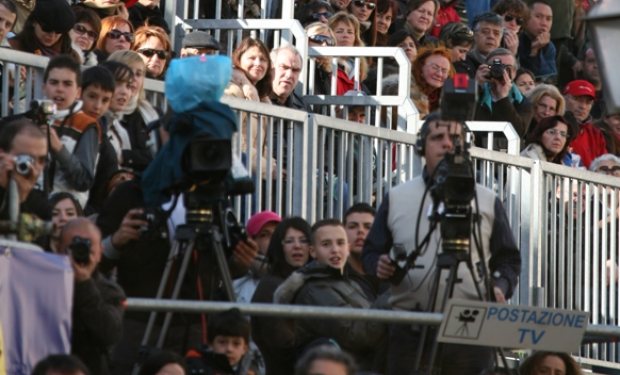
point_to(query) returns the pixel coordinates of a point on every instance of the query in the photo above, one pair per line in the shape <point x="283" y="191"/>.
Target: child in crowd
<point x="74" y="135"/>
<point x="97" y="91"/>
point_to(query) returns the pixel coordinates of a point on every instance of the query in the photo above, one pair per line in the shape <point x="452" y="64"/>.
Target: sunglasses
<point x="361" y="3"/>
<point x="81" y="30"/>
<point x="149" y="52"/>
<point x="47" y="28"/>
<point x="509" y="18"/>
<point x="606" y="169"/>
<point x="116" y="34"/>
<point x="322" y="39"/>
<point x="317" y="16"/>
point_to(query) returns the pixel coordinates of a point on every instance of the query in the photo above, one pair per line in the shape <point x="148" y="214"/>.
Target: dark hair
<point x="514" y="7"/>
<point x="275" y="251"/>
<point x="544" y="2"/>
<point x="543" y="125"/>
<point x="305" y="13"/>
<point x="521" y="71"/>
<point x="156" y="361"/>
<point x="528" y="367"/>
<point x="98" y="76"/>
<point x="120" y="71"/>
<point x="13" y="128"/>
<point x="488" y="17"/>
<point x="228" y="323"/>
<point x="325" y="352"/>
<point x="62" y="195"/>
<point x="455" y="34"/>
<point x="27" y="40"/>
<point x="87" y="15"/>
<point x="9" y="5"/>
<point x="398" y="36"/>
<point x="325" y="223"/>
<point x="361" y="207"/>
<point x="64" y="62"/>
<point x="415" y="4"/>
<point x="62" y="363"/>
<point x="264" y="85"/>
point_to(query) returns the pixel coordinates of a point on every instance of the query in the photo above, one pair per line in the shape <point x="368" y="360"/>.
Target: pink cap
<point x="580" y="87"/>
<point x="258" y="221"/>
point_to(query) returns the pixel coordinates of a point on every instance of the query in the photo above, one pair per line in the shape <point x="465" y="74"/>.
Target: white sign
<point x="510" y="326"/>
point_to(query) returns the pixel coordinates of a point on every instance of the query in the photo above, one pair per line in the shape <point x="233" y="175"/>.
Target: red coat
<point x="589" y="143"/>
<point x="446" y="14"/>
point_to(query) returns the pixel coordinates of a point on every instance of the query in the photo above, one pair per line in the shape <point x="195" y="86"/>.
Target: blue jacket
<point x="543" y="64"/>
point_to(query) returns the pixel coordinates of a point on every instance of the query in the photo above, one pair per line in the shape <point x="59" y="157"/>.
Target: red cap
<point x="258" y="221"/>
<point x="580" y="87"/>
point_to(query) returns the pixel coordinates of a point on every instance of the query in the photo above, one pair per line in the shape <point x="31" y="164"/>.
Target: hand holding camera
<point x="498" y="77"/>
<point x="82" y="258"/>
<point x="130" y="228"/>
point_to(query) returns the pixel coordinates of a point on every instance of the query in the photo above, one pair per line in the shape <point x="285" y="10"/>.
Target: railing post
<point x="310" y="130"/>
<point x="531" y="256"/>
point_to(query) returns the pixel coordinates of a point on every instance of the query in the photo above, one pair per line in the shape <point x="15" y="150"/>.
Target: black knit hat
<point x="200" y="39"/>
<point x="54" y="15"/>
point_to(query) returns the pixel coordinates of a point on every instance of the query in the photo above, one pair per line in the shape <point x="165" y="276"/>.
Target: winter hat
<point x="200" y="39"/>
<point x="54" y="15"/>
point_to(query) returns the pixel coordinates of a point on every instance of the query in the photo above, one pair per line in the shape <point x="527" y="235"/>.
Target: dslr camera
<point x="496" y="70"/>
<point x="23" y="164"/>
<point x="80" y="250"/>
<point x="154" y="218"/>
<point x="41" y="111"/>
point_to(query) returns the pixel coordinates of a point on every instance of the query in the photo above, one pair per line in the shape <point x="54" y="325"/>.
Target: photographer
<point x="395" y="226"/>
<point x="499" y="98"/>
<point x="97" y="301"/>
<point x="23" y="150"/>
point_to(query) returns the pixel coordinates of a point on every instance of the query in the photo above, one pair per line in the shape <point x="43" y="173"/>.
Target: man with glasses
<point x="487" y="37"/>
<point x="536" y="51"/>
<point x="499" y="98"/>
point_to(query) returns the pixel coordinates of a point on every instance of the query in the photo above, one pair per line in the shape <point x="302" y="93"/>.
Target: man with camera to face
<point x="499" y="98"/>
<point x="405" y="208"/>
<point x="97" y="301"/>
<point x="23" y="150"/>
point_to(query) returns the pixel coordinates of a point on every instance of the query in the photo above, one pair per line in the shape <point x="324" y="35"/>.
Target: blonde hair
<point x="130" y="58"/>
<point x="319" y="28"/>
<point x="351" y="20"/>
<point x="551" y="91"/>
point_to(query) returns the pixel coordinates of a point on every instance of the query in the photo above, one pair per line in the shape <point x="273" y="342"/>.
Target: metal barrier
<point x="565" y="220"/>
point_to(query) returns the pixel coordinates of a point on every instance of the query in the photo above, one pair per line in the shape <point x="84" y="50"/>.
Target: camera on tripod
<point x="496" y="70"/>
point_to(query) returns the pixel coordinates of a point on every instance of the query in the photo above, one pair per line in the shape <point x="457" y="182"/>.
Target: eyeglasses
<point x="509" y="18"/>
<point x="361" y="3"/>
<point x="149" y="52"/>
<point x="293" y="241"/>
<point x="116" y="34"/>
<point x="322" y="39"/>
<point x="317" y="16"/>
<point x="609" y="170"/>
<point x="81" y="30"/>
<point x="554" y="132"/>
<point x="439" y="69"/>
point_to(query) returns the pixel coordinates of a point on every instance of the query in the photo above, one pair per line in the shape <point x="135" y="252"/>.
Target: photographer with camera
<point x="499" y="98"/>
<point x="403" y="214"/>
<point x="23" y="150"/>
<point x="97" y="301"/>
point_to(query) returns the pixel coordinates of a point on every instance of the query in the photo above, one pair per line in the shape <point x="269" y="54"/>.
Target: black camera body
<point x="41" y="111"/>
<point x="496" y="70"/>
<point x="23" y="164"/>
<point x="155" y="219"/>
<point x="80" y="250"/>
<point x="398" y="258"/>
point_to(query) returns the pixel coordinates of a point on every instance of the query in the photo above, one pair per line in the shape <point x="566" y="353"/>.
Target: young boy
<point x="97" y="90"/>
<point x="74" y="136"/>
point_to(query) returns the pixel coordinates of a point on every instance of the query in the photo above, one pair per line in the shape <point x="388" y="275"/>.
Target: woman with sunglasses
<point x="288" y="251"/>
<point x="85" y="33"/>
<point x="513" y="13"/>
<point x="46" y="30"/>
<point x="153" y="44"/>
<point x="320" y="35"/>
<point x="314" y="11"/>
<point x="364" y="11"/>
<point x="549" y="141"/>
<point x="116" y="35"/>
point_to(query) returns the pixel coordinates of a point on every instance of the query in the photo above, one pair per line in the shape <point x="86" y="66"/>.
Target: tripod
<point x="205" y="233"/>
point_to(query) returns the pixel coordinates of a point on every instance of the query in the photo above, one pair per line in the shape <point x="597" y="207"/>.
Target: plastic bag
<point x="196" y="79"/>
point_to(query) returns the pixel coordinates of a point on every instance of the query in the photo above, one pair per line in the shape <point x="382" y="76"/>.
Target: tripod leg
<point x="216" y="245"/>
<point x="425" y="329"/>
<point x="189" y="249"/>
<point x="174" y="251"/>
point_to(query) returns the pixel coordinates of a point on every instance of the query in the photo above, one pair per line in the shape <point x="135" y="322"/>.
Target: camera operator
<point x="23" y="149"/>
<point x="394" y="228"/>
<point x="97" y="301"/>
<point x="499" y="98"/>
<point x="139" y="250"/>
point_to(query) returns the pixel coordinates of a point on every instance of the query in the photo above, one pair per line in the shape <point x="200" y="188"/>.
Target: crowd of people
<point x="83" y="169"/>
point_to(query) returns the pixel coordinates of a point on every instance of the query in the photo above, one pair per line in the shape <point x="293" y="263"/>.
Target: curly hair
<point x="423" y="54"/>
